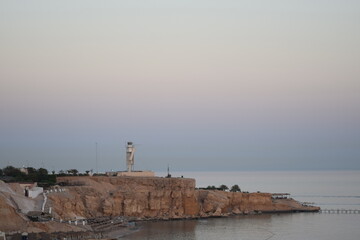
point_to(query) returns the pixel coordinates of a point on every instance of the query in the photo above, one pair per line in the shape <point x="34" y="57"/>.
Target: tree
<point x="9" y="171"/>
<point x="211" y="187"/>
<point x="235" y="188"/>
<point x="1" y="172"/>
<point x="42" y="171"/>
<point x="12" y="171"/>
<point x="223" y="187"/>
<point x="31" y="170"/>
<point x="33" y="174"/>
<point x="73" y="171"/>
<point x="42" y="174"/>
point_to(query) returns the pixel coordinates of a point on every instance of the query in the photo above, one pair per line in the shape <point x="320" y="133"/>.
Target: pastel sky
<point x="199" y="85"/>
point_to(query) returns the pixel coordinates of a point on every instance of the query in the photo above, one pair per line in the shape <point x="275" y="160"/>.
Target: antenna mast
<point x="96" y="157"/>
<point x="168" y="171"/>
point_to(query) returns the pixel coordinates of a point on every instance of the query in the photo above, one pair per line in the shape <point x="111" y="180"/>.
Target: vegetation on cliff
<point x="234" y="188"/>
<point x="41" y="175"/>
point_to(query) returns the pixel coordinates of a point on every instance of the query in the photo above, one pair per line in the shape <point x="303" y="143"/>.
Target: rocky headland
<point x="132" y="198"/>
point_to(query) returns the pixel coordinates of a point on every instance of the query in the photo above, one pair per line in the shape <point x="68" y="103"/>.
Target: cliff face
<point x="129" y="196"/>
<point x="141" y="198"/>
<point x="10" y="219"/>
<point x="14" y="205"/>
<point x="219" y="202"/>
<point x="156" y="198"/>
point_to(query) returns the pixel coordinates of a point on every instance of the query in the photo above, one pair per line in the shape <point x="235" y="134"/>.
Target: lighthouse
<point x="130" y="150"/>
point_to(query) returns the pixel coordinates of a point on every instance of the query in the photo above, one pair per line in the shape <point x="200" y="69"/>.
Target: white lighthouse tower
<point x="130" y="150"/>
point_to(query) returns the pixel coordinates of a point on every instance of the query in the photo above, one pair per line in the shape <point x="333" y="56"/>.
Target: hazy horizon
<point x="197" y="85"/>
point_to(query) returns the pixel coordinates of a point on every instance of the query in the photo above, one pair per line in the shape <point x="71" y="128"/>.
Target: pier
<point x="340" y="211"/>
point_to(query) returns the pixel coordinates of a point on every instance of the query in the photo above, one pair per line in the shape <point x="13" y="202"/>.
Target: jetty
<point x="340" y="211"/>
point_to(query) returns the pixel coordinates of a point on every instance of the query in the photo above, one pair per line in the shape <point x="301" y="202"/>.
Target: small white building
<point x="31" y="189"/>
<point x="35" y="191"/>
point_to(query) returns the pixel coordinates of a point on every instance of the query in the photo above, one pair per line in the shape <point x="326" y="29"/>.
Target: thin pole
<point x="96" y="149"/>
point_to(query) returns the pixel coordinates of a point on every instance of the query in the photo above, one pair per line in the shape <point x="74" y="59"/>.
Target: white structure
<point x="33" y="192"/>
<point x="44" y="203"/>
<point x="130" y="150"/>
<point x="24" y="170"/>
<point x="131" y="174"/>
<point x="136" y="174"/>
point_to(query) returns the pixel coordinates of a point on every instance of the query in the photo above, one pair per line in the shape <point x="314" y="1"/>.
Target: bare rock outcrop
<point x="134" y="197"/>
<point x="13" y="207"/>
<point x="147" y="197"/>
<point x="158" y="198"/>
<point x="10" y="220"/>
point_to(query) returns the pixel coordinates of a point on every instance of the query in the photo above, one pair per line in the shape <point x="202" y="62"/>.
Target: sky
<point x="199" y="85"/>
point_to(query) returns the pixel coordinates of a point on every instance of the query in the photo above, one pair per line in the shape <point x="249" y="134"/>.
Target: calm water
<point x="329" y="190"/>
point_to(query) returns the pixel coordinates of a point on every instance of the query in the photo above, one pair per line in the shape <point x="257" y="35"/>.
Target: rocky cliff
<point x="157" y="198"/>
<point x="13" y="209"/>
<point x="134" y="197"/>
<point x="140" y="197"/>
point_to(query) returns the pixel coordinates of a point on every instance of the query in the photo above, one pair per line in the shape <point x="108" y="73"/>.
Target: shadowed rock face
<point x="157" y="198"/>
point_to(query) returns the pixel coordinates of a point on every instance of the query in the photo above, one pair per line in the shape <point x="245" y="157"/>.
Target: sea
<point x="331" y="190"/>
